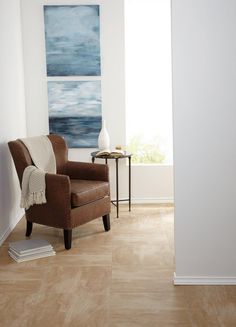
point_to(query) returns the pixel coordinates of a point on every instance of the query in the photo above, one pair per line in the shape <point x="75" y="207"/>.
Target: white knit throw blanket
<point x="33" y="181"/>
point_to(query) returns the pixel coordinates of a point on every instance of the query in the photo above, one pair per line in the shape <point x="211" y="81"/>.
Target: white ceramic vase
<point x="103" y="138"/>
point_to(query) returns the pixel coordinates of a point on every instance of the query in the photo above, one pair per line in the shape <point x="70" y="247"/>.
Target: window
<point x="148" y="81"/>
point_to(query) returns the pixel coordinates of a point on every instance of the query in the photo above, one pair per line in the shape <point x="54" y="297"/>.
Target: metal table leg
<point x="117" y="189"/>
<point x="129" y="183"/>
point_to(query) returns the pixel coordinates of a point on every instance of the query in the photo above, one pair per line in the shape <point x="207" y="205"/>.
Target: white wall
<point x="113" y="92"/>
<point x="12" y="111"/>
<point x="204" y="105"/>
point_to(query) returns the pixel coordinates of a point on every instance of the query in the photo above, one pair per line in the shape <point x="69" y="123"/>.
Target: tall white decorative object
<point x="103" y="138"/>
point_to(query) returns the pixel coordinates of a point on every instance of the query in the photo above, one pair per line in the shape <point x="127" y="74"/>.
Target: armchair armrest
<point x="56" y="211"/>
<point x="86" y="170"/>
<point x="58" y="187"/>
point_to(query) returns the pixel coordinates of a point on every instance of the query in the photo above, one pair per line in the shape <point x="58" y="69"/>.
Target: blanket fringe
<point x="33" y="198"/>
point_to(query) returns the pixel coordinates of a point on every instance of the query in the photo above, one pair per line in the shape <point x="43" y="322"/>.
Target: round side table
<point x="117" y="158"/>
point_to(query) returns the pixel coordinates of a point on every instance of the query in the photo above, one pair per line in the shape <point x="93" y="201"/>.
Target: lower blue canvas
<point x="75" y="111"/>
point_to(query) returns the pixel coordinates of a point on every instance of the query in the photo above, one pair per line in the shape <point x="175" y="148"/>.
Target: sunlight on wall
<point x="148" y="80"/>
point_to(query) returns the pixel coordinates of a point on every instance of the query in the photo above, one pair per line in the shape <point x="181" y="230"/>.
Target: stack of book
<point x="25" y="250"/>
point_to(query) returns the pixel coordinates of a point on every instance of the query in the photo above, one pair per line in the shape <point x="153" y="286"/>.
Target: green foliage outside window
<point x="145" y="153"/>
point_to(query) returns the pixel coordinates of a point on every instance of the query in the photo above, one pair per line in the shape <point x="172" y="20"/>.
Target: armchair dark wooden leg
<point x="29" y="227"/>
<point x="106" y="222"/>
<point x="67" y="238"/>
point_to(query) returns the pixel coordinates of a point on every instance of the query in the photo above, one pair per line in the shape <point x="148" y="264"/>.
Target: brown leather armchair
<point x="78" y="193"/>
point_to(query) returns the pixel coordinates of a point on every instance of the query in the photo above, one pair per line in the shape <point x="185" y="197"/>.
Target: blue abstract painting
<point x="75" y="111"/>
<point x="72" y="35"/>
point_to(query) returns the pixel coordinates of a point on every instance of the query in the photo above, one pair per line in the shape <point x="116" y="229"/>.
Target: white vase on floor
<point x="103" y="138"/>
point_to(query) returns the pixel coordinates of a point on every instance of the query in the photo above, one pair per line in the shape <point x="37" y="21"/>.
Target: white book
<point x="22" y="255"/>
<point x="31" y="257"/>
<point x="30" y="246"/>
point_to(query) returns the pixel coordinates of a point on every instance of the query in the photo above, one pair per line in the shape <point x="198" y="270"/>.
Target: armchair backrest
<point x="22" y="159"/>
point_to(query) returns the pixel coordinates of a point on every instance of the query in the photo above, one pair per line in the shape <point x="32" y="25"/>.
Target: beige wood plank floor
<point x="121" y="278"/>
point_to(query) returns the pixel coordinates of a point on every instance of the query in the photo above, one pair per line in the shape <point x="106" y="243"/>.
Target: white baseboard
<point x="6" y="233"/>
<point x="153" y="201"/>
<point x="206" y="280"/>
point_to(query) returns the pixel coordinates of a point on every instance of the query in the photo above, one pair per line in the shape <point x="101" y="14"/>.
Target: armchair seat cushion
<point x="87" y="191"/>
